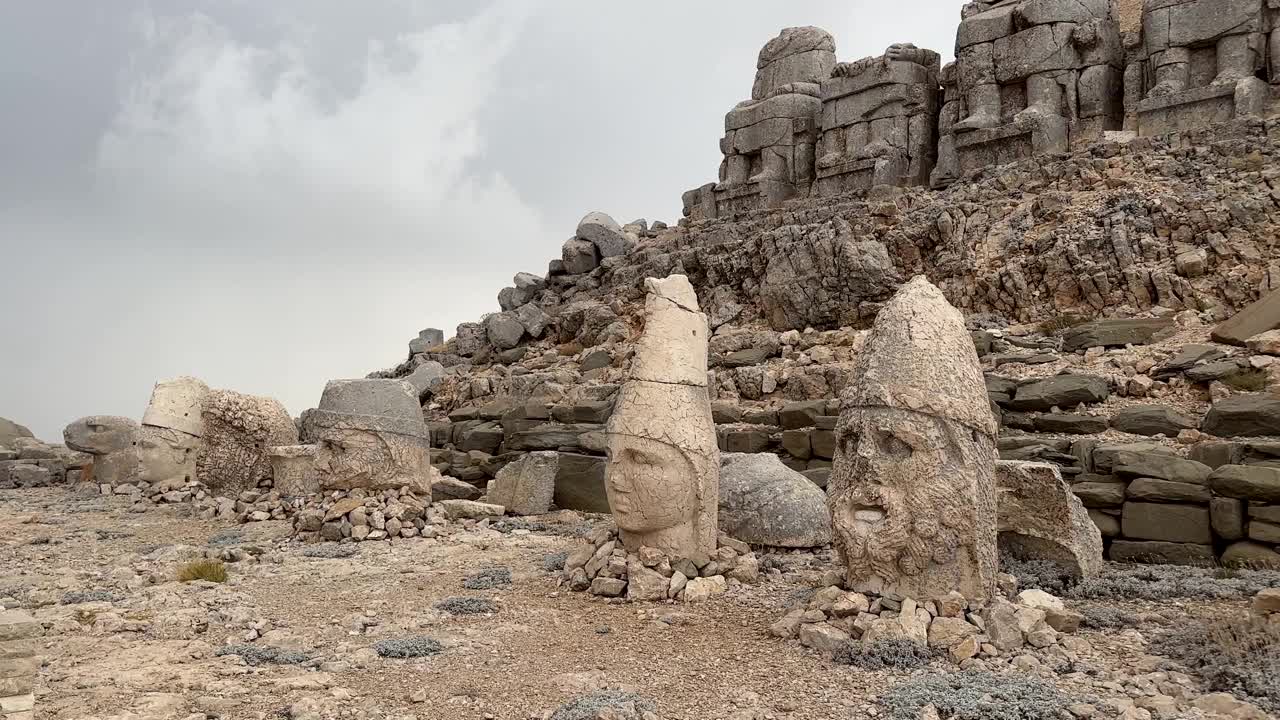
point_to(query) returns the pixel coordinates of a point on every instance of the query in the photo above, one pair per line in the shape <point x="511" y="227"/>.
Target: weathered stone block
<point x="1166" y="523"/>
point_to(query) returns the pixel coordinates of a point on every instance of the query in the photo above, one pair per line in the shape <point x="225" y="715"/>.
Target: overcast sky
<point x="269" y="195"/>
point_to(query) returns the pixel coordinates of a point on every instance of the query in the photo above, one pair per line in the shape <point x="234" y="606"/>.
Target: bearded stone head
<point x="370" y="434"/>
<point x="902" y="493"/>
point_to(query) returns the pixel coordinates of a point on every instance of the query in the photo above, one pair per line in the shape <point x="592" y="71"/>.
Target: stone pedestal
<point x="293" y="470"/>
<point x="18" y="665"/>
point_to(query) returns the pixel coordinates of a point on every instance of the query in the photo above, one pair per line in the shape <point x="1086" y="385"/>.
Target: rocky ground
<point x="124" y="639"/>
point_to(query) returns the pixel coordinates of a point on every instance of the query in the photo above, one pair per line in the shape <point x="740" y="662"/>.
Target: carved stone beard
<point x="905" y="504"/>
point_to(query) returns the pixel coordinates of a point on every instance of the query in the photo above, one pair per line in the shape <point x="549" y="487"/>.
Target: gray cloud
<point x="269" y="195"/>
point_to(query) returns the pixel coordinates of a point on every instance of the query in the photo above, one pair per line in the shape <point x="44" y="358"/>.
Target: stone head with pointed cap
<point x="662" y="477"/>
<point x="912" y="490"/>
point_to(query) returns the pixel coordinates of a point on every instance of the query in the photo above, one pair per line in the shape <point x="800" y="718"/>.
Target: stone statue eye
<point x="848" y="442"/>
<point x="640" y="457"/>
<point x="893" y="446"/>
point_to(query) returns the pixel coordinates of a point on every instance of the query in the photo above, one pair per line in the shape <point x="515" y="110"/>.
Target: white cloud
<point x="262" y="226"/>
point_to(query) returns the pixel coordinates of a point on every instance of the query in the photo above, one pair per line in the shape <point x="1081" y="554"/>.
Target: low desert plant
<point x="606" y="703"/>
<point x="331" y="551"/>
<point x="1238" y="653"/>
<point x="208" y="570"/>
<point x="554" y="562"/>
<point x="410" y="647"/>
<point x="467" y="606"/>
<point x="77" y="597"/>
<point x="1165" y="582"/>
<point x="977" y="696"/>
<point x="264" y="654"/>
<point x="889" y="653"/>
<point x="488" y="579"/>
<point x="1247" y="381"/>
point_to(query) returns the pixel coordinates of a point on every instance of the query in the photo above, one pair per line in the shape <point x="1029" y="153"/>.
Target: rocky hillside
<point x="1177" y="232"/>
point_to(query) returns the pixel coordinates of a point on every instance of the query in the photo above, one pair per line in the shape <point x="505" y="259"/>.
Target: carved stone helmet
<point x="920" y="357"/>
<point x="176" y="404"/>
<point x="386" y="406"/>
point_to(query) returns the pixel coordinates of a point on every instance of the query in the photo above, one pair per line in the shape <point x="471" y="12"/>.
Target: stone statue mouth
<point x="868" y="514"/>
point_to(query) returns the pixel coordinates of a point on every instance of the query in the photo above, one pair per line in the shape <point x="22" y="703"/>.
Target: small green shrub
<point x="895" y="653"/>
<point x="467" y="606"/>
<point x="208" y="570"/>
<point x="1165" y="582"/>
<point x="410" y="647"/>
<point x="977" y="696"/>
<point x="1239" y="654"/>
<point x="331" y="551"/>
<point x="1105" y="618"/>
<point x="77" y="597"/>
<point x="1247" y="381"/>
<point x="488" y="579"/>
<point x="624" y="706"/>
<point x="264" y="654"/>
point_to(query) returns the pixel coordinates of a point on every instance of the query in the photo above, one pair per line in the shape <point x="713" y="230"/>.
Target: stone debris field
<point x="956" y="397"/>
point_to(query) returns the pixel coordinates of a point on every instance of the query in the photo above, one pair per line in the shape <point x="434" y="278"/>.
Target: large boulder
<point x="1152" y="420"/>
<point x="1255" y="319"/>
<point x="1104" y="333"/>
<point x="764" y="502"/>
<point x="1061" y="391"/>
<point x="1244" y="415"/>
<point x="526" y="486"/>
<point x="1040" y="518"/>
<point x="604" y="232"/>
<point x="1247" y="482"/>
<point x="504" y="330"/>
<point x="579" y="256"/>
<point x="10" y="431"/>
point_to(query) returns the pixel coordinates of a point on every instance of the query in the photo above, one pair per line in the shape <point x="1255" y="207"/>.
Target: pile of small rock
<point x="26" y="462"/>
<point x="949" y="625"/>
<point x="603" y="567"/>
<point x="363" y="515"/>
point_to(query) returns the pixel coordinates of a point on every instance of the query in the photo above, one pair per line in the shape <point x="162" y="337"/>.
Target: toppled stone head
<point x="370" y="434"/>
<point x="172" y="432"/>
<point x="662" y="476"/>
<point x="912" y="491"/>
<point x="238" y="430"/>
<point x="112" y="441"/>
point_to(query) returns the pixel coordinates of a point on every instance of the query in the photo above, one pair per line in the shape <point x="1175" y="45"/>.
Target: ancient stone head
<point x="912" y="492"/>
<point x="101" y="434"/>
<point x="167" y="456"/>
<point x="370" y="434"/>
<point x="662" y="477"/>
<point x="173" y="427"/>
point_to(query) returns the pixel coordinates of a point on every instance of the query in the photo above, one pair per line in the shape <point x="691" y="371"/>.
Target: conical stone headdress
<point x="920" y="357"/>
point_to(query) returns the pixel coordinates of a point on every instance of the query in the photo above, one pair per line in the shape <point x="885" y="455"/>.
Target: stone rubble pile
<point x="601" y="566"/>
<point x="18" y="664"/>
<point x="950" y="625"/>
<point x="361" y="515"/>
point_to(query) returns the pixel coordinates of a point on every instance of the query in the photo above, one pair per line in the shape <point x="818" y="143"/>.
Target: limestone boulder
<point x="1062" y="391"/>
<point x="1267" y="343"/>
<point x="604" y="232"/>
<point x="1244" y="415"/>
<point x="579" y="256"/>
<point x="763" y="502"/>
<point x="1256" y="483"/>
<point x="426" y="377"/>
<point x="10" y="431"/>
<point x="1253" y="320"/>
<point x="526" y="486"/>
<point x="1040" y="518"/>
<point x="504" y="330"/>
<point x="1152" y="420"/>
<point x="1166" y="523"/>
<point x="1117" y="333"/>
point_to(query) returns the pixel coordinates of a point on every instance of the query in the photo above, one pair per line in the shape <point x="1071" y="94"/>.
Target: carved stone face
<point x="164" y="455"/>
<point x="906" y="501"/>
<point x="347" y="458"/>
<point x="649" y="484"/>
